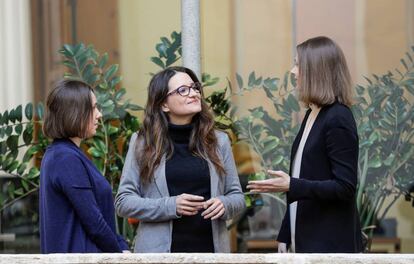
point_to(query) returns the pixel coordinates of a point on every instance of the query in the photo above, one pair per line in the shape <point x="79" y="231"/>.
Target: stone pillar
<point x="190" y="35"/>
<point x="16" y="83"/>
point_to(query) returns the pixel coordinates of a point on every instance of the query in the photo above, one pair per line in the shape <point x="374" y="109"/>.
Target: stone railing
<point x="209" y="258"/>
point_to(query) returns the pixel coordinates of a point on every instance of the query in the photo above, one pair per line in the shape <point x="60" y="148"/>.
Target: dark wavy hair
<point x="153" y="138"/>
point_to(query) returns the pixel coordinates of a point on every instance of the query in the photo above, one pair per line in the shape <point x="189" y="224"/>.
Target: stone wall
<point x="209" y="258"/>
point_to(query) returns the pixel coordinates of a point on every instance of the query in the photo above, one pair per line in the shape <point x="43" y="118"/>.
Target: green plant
<point x="385" y="118"/>
<point x="169" y="51"/>
<point x="21" y="143"/>
<point x="269" y="135"/>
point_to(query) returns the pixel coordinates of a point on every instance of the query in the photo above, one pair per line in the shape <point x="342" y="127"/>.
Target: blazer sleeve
<point x="74" y="182"/>
<point x="130" y="201"/>
<point x="284" y="233"/>
<point x="341" y="141"/>
<point x="233" y="197"/>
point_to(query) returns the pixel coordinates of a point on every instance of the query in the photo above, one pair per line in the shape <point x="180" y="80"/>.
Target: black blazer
<point x="327" y="219"/>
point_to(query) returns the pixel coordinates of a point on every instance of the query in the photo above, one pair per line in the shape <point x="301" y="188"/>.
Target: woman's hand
<point x="214" y="209"/>
<point x="188" y="204"/>
<point x="280" y="183"/>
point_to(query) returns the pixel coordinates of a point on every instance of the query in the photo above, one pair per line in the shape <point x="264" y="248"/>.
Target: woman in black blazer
<point x="322" y="214"/>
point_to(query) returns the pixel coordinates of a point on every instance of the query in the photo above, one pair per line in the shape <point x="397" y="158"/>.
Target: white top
<point x="296" y="169"/>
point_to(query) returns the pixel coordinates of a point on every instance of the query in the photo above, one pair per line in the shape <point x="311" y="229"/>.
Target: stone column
<point x="16" y="85"/>
<point x="190" y="35"/>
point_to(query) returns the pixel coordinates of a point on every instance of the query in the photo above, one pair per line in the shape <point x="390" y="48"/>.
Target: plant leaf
<point x="19" y="113"/>
<point x="28" y="110"/>
<point x="239" y="81"/>
<point x="111" y="71"/>
<point x="95" y="152"/>
<point x="375" y="162"/>
<point x="18" y="129"/>
<point x="103" y="60"/>
<point x="40" y="110"/>
<point x="12" y="142"/>
<point x="293" y="103"/>
<point x="252" y="79"/>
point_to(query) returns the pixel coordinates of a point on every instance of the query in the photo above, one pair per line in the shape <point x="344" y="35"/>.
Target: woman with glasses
<point x="179" y="177"/>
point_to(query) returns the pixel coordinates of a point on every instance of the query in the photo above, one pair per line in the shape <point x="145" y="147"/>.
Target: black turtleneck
<point x="186" y="173"/>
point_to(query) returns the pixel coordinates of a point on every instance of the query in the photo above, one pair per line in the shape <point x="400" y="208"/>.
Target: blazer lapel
<point x="160" y="179"/>
<point x="296" y="142"/>
<point x="316" y="128"/>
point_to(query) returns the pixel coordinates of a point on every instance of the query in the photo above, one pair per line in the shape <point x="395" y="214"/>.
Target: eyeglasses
<point x="184" y="90"/>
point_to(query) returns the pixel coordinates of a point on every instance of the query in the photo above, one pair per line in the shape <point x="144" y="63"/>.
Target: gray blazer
<point x="155" y="208"/>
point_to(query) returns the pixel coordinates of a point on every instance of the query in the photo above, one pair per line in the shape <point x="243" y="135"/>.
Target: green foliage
<point x="268" y="134"/>
<point x="21" y="139"/>
<point x="169" y="51"/>
<point x="385" y="119"/>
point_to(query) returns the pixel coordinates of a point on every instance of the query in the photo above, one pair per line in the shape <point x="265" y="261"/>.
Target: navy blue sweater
<point x="76" y="204"/>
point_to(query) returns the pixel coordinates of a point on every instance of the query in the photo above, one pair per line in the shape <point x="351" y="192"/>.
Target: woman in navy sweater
<point x="322" y="214"/>
<point x="76" y="203"/>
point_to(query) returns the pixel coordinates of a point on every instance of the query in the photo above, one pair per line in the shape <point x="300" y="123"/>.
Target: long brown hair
<point x="323" y="73"/>
<point x="153" y="138"/>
